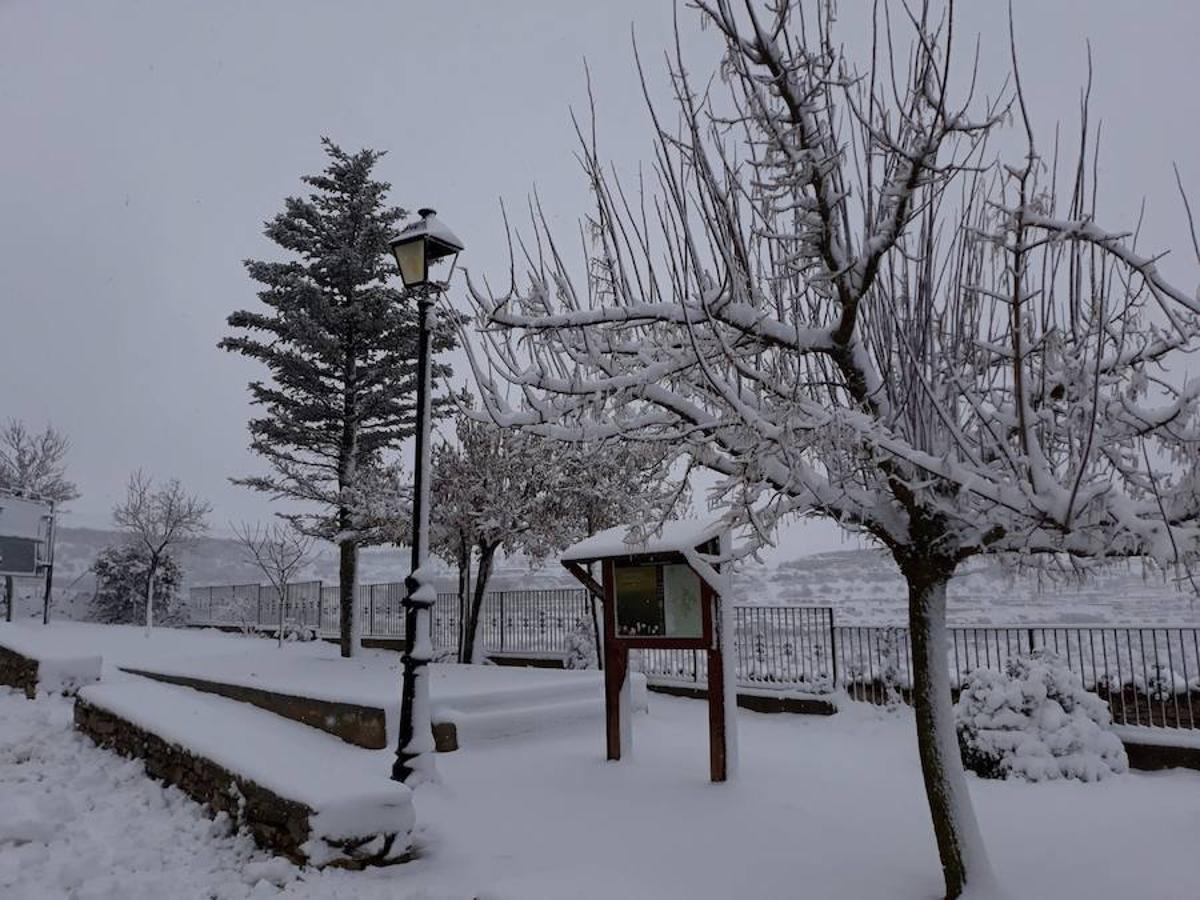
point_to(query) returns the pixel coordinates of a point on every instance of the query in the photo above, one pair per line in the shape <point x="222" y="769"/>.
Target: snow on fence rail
<point x="529" y="622"/>
<point x="1150" y="676"/>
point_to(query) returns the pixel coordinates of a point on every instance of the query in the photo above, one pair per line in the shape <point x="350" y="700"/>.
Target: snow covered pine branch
<point x="837" y="300"/>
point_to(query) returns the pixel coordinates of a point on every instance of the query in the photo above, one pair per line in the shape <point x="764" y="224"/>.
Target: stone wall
<point x="278" y="824"/>
<point x="18" y="671"/>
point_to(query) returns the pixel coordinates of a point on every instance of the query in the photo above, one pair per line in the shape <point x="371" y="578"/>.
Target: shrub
<point x="1036" y="721"/>
<point x="120" y="598"/>
<point x="581" y="647"/>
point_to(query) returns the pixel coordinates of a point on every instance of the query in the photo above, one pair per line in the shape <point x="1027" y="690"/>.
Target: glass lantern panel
<point x="410" y="257"/>
<point x="681" y="600"/>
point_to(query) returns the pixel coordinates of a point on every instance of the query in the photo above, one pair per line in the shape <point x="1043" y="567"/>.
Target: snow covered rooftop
<point x="626" y="540"/>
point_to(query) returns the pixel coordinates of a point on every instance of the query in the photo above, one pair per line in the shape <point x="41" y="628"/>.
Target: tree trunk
<point x="960" y="844"/>
<point x="348" y="587"/>
<point x="347" y="476"/>
<point x="597" y="634"/>
<point x="486" y="553"/>
<point x="46" y="592"/>
<point x="150" y="599"/>
<point x="464" y="591"/>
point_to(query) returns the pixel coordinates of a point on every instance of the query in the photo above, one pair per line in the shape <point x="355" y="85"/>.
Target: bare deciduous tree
<point x="34" y="465"/>
<point x="839" y="302"/>
<point x="158" y="519"/>
<point x="279" y="551"/>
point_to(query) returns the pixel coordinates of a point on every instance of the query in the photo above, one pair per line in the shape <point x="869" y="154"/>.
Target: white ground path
<point x="823" y="808"/>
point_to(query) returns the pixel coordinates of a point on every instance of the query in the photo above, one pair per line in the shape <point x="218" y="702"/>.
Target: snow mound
<point x="1036" y="721"/>
<point x="67" y="674"/>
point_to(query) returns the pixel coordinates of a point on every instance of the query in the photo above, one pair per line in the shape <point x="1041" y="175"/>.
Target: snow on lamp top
<point x="420" y="243"/>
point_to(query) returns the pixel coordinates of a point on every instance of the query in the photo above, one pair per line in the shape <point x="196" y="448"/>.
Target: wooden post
<point x="616" y="666"/>
<point x="8" y="598"/>
<point x="717" y="756"/>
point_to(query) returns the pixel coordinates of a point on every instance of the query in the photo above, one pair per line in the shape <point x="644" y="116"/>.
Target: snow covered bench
<point x="28" y="666"/>
<point x="300" y="792"/>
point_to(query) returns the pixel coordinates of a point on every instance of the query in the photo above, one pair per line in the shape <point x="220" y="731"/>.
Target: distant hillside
<point x="865" y="586"/>
<point x="861" y="585"/>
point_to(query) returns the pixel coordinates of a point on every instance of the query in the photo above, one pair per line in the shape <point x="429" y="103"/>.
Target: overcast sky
<point x="143" y="144"/>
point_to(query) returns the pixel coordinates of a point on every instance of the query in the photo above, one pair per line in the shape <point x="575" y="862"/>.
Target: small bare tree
<point x="280" y="552"/>
<point x="157" y="519"/>
<point x="34" y="465"/>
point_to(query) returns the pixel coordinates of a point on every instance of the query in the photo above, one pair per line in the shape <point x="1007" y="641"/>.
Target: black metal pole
<point x="416" y="737"/>
<point x="49" y="567"/>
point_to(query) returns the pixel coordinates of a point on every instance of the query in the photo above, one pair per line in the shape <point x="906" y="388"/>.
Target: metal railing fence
<point x="517" y="622"/>
<point x="1149" y="675"/>
<point x="774" y="646"/>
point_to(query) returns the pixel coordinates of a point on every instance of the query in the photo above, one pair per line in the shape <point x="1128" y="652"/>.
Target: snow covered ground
<point x="823" y="808"/>
<point x="484" y="702"/>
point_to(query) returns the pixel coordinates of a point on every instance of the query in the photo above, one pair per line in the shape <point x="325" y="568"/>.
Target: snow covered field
<point x="822" y="808"/>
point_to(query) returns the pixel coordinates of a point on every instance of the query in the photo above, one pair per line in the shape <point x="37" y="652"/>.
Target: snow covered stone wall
<point x="345" y="835"/>
<point x="1036" y="721"/>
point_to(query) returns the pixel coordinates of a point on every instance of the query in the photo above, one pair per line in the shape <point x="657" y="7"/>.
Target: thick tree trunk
<point x="348" y="584"/>
<point x="483" y="573"/>
<point x="960" y="845"/>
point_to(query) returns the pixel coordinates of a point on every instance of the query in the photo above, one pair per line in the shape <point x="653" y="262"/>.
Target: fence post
<point x="371" y="610"/>
<point x="833" y="659"/>
<point x="500" y="596"/>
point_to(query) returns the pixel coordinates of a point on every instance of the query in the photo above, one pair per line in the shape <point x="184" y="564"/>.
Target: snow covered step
<point x="354" y="723"/>
<point x="301" y="793"/>
<point x="30" y="663"/>
<point x="358" y="699"/>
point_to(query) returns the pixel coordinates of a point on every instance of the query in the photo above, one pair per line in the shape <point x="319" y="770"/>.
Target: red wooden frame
<point x="616" y="654"/>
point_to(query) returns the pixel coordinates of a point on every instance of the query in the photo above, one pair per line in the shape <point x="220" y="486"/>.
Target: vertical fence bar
<point x="833" y="654"/>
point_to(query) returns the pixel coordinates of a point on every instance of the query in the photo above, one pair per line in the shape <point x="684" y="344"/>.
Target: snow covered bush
<point x="1036" y="721"/>
<point x="581" y="647"/>
<point x="121" y="579"/>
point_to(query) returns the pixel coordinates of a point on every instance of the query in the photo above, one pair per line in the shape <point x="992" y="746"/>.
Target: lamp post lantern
<point x="416" y="248"/>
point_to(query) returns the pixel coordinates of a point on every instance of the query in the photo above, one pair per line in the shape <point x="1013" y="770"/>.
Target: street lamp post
<point x="416" y="247"/>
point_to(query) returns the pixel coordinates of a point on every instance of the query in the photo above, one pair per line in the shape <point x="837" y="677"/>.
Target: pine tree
<point x="340" y="345"/>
